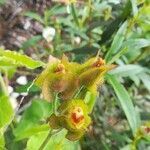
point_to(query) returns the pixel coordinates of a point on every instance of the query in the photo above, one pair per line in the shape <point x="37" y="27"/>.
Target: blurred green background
<point x="118" y="29"/>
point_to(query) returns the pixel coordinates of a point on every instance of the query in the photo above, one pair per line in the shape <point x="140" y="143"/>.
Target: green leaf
<point x="127" y="70"/>
<point x="145" y="79"/>
<point x="134" y="7"/>
<point x="53" y="11"/>
<point x="136" y="43"/>
<point x="35" y="141"/>
<point x="119" y="54"/>
<point x="9" y="70"/>
<point x="2" y="140"/>
<point x="32" y="131"/>
<point x="6" y="111"/>
<point x="85" y="50"/>
<point x="19" y="59"/>
<point x="38" y="111"/>
<point x="117" y="42"/>
<point x="90" y="99"/>
<point x="31" y="42"/>
<point x="35" y="16"/>
<point x="10" y="143"/>
<point x="125" y="101"/>
<point x="127" y="147"/>
<point x="6" y="62"/>
<point x="56" y="141"/>
<point x="23" y="88"/>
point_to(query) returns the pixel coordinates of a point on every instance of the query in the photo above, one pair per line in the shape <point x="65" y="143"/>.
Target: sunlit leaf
<point x="2" y="140"/>
<point x="19" y="59"/>
<point x="32" y="131"/>
<point x="6" y="111"/>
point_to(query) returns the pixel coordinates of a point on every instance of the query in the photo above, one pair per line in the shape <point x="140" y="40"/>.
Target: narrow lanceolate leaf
<point x="127" y="70"/>
<point x="136" y="43"/>
<point x="19" y="59"/>
<point x="145" y="79"/>
<point x="117" y="42"/>
<point x="134" y="7"/>
<point x="31" y="42"/>
<point x="125" y="101"/>
<point x="35" y="16"/>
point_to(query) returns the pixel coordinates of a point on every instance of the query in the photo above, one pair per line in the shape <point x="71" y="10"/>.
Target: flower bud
<point x="73" y="115"/>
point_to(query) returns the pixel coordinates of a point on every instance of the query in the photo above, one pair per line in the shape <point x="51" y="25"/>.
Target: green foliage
<point x="2" y="2"/>
<point x="34" y="16"/>
<point x="31" y="42"/>
<point x="125" y="102"/>
<point x="57" y="141"/>
<point x="13" y="58"/>
<point x="117" y="42"/>
<point x="2" y="140"/>
<point x="28" y="125"/>
<point x="6" y="111"/>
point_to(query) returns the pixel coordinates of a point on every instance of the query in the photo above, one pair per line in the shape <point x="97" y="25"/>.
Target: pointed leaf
<point x="35" y="16"/>
<point x="117" y="42"/>
<point x="125" y="101"/>
<point x="19" y="59"/>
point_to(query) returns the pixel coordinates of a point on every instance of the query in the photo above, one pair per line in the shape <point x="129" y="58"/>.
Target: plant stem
<point x="56" y="104"/>
<point x="46" y="140"/>
<point x="78" y="92"/>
